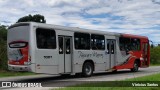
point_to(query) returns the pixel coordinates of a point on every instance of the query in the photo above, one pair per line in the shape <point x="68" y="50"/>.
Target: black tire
<point x="87" y="70"/>
<point x="135" y="67"/>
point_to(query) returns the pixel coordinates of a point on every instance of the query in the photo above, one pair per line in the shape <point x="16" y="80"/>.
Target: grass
<point x="154" y="77"/>
<point x="4" y="73"/>
<point x="103" y="85"/>
<point x="109" y="88"/>
<point x="155" y="64"/>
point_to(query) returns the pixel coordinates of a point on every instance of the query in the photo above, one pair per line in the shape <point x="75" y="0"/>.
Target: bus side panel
<point x="98" y="57"/>
<point x="46" y="59"/>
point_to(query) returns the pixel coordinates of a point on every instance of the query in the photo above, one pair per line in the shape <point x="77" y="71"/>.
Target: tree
<point x="155" y="55"/>
<point x="3" y="47"/>
<point x="3" y="33"/>
<point x="34" y="18"/>
<point x="152" y="46"/>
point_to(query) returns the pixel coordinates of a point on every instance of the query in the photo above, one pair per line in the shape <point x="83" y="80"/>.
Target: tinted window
<point x="108" y="46"/>
<point x="97" y="42"/>
<point x="127" y="44"/>
<point x="124" y="44"/>
<point x="46" y="38"/>
<point x="68" y="43"/>
<point x="82" y="41"/>
<point x="60" y="40"/>
<point x="111" y="46"/>
<point x="135" y="44"/>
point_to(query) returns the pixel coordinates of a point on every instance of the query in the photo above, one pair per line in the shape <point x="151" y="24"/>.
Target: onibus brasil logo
<point x="19" y="85"/>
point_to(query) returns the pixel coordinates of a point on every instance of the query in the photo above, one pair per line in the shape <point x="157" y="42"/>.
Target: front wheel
<point x="87" y="69"/>
<point x="135" y="67"/>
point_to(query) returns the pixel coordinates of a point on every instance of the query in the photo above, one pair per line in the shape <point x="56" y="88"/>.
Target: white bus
<point x="53" y="49"/>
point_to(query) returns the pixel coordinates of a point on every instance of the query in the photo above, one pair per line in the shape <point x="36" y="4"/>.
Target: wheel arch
<point x="138" y="61"/>
<point x="90" y="61"/>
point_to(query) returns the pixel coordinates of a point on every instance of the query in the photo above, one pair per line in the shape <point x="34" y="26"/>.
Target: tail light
<point x="28" y="62"/>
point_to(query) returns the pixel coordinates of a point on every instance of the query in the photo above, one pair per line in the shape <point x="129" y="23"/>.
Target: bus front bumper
<point x="18" y="67"/>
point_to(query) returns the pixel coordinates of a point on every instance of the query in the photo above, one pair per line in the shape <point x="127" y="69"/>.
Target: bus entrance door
<point x="65" y="54"/>
<point x="145" y="53"/>
<point x="111" y="44"/>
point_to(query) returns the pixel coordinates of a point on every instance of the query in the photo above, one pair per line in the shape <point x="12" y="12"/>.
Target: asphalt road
<point x="61" y="81"/>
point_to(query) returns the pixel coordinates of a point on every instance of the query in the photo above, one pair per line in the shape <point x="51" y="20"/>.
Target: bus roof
<point x="134" y="36"/>
<point x="74" y="29"/>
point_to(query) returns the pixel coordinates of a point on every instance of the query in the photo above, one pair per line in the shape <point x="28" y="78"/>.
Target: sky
<point x="140" y="17"/>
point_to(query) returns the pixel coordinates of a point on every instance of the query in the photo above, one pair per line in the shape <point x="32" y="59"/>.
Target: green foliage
<point x="3" y="48"/>
<point x="155" y="55"/>
<point x="3" y="33"/>
<point x="5" y="73"/>
<point x="104" y="85"/>
<point x="108" y="88"/>
<point x="34" y="18"/>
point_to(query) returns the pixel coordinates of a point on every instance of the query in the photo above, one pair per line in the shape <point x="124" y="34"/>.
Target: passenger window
<point x="97" y="42"/>
<point x="46" y="38"/>
<point x="124" y="44"/>
<point x="82" y="41"/>
<point x="135" y="44"/>
<point x="127" y="44"/>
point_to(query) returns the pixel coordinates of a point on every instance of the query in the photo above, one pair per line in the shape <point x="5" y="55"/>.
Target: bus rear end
<point x="18" y="47"/>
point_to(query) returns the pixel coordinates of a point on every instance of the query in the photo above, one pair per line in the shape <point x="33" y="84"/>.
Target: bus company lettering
<point x="93" y="54"/>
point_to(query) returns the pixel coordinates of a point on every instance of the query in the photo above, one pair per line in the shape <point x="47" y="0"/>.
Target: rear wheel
<point x="87" y="70"/>
<point x="135" y="67"/>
